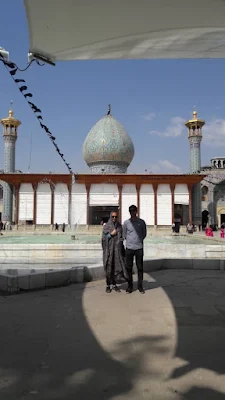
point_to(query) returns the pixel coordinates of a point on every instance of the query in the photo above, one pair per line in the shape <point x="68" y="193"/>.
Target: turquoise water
<point x="82" y="239"/>
<point x="50" y="239"/>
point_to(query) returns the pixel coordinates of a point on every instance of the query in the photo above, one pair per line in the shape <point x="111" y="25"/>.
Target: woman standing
<point x="113" y="253"/>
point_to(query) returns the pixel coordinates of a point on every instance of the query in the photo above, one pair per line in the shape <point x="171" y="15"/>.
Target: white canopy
<point x="126" y="29"/>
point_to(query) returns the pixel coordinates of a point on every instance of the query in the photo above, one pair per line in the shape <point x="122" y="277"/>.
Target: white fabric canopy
<point x="126" y="29"/>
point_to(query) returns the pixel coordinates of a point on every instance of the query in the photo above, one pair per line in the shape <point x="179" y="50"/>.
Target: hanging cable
<point x="29" y="64"/>
<point x="12" y="69"/>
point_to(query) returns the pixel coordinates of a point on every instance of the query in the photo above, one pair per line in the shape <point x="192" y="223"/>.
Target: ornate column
<point x="172" y="188"/>
<point x="155" y="187"/>
<point x="120" y="187"/>
<point x="52" y="202"/>
<point x="138" y="186"/>
<point x="69" y="186"/>
<point x="10" y="128"/>
<point x="211" y="203"/>
<point x="17" y="191"/>
<point x="88" y="187"/>
<point x="35" y="186"/>
<point x="195" y="126"/>
<point x="190" y="203"/>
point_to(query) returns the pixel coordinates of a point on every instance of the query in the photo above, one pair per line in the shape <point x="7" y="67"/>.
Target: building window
<point x="205" y="193"/>
<point x="1" y="192"/>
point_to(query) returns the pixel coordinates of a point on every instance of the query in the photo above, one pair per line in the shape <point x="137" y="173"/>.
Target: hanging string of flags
<point x="21" y="84"/>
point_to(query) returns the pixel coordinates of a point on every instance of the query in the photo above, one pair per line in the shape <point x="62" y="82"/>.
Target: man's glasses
<point x="133" y="210"/>
<point x="114" y="216"/>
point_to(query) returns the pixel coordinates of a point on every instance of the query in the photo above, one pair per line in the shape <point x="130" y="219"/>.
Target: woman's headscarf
<point x="110" y="225"/>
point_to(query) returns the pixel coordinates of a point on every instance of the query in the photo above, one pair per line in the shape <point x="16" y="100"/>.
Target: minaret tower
<point x="194" y="126"/>
<point x="10" y="126"/>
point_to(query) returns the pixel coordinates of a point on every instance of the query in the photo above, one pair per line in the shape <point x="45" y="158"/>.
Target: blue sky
<point x="151" y="98"/>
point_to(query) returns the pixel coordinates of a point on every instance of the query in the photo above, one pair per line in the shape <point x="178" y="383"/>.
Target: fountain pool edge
<point x="14" y="280"/>
<point x="85" y="254"/>
<point x="39" y="266"/>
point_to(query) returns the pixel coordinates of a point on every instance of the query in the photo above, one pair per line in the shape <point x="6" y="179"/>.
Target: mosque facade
<point x="213" y="192"/>
<point x="87" y="199"/>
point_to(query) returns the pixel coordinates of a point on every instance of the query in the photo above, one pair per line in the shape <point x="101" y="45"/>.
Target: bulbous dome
<point x="107" y="147"/>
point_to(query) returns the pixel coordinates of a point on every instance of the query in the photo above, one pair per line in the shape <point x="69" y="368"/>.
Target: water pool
<point x="95" y="239"/>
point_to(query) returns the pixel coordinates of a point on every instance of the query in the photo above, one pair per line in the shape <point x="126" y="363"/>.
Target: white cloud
<point x="174" y="129"/>
<point x="214" y="133"/>
<point x="165" y="167"/>
<point x="149" y="117"/>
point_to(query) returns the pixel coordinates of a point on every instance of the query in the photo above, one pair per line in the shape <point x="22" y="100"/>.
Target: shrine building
<point x="87" y="199"/>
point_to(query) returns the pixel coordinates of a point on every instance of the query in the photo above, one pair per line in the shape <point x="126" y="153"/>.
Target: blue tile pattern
<point x="195" y="166"/>
<point x="108" y="142"/>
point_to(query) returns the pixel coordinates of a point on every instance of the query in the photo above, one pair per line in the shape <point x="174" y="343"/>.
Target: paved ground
<point x="79" y="343"/>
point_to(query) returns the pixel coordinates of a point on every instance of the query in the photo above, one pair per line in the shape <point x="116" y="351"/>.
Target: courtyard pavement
<point x="77" y="342"/>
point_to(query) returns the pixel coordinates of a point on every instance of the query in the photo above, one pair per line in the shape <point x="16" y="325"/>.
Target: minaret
<point x="194" y="126"/>
<point x="10" y="125"/>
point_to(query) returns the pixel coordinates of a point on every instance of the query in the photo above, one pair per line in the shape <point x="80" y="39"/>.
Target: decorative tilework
<point x="195" y="166"/>
<point x="108" y="143"/>
<point x="7" y="202"/>
<point x="215" y="182"/>
<point x="108" y="168"/>
<point x="9" y="166"/>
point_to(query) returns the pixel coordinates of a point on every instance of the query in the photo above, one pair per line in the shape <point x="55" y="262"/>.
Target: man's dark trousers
<point x="138" y="254"/>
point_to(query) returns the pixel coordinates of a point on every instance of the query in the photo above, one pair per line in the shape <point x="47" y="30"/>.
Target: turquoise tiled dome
<point x="108" y="147"/>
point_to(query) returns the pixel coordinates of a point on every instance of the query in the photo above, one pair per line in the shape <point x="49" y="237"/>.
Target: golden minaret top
<point x="10" y="120"/>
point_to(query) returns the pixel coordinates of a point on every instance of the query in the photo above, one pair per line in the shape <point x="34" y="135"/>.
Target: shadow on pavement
<point x="197" y="393"/>
<point x="200" y="325"/>
<point x="48" y="350"/>
<point x="200" y="318"/>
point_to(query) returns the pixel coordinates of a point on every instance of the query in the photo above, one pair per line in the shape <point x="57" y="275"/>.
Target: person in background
<point x="209" y="231"/>
<point x="189" y="228"/>
<point x="134" y="231"/>
<point x="222" y="232"/>
<point x="63" y="227"/>
<point x="113" y="253"/>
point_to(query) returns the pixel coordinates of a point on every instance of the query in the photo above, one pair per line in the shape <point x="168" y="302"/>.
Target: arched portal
<point x="205" y="190"/>
<point x="221" y="215"/>
<point x="205" y="218"/>
<point x="219" y="203"/>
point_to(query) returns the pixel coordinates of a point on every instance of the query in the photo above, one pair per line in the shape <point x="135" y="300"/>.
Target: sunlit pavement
<point x="77" y="342"/>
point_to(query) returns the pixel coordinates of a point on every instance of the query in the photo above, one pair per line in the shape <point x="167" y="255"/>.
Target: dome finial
<point x="194" y="113"/>
<point x="11" y="111"/>
<point x="109" y="109"/>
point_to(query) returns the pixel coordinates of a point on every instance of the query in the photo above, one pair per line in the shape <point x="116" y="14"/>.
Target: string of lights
<point x="12" y="68"/>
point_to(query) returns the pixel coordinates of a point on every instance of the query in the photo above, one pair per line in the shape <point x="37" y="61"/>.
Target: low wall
<point x="39" y="266"/>
<point x="50" y="254"/>
<point x="75" y="254"/>
<point x="15" y="280"/>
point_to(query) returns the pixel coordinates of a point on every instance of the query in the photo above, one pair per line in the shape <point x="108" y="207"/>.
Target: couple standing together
<point x="117" y="261"/>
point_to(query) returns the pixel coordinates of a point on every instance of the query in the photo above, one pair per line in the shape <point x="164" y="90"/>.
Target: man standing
<point x="134" y="231"/>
